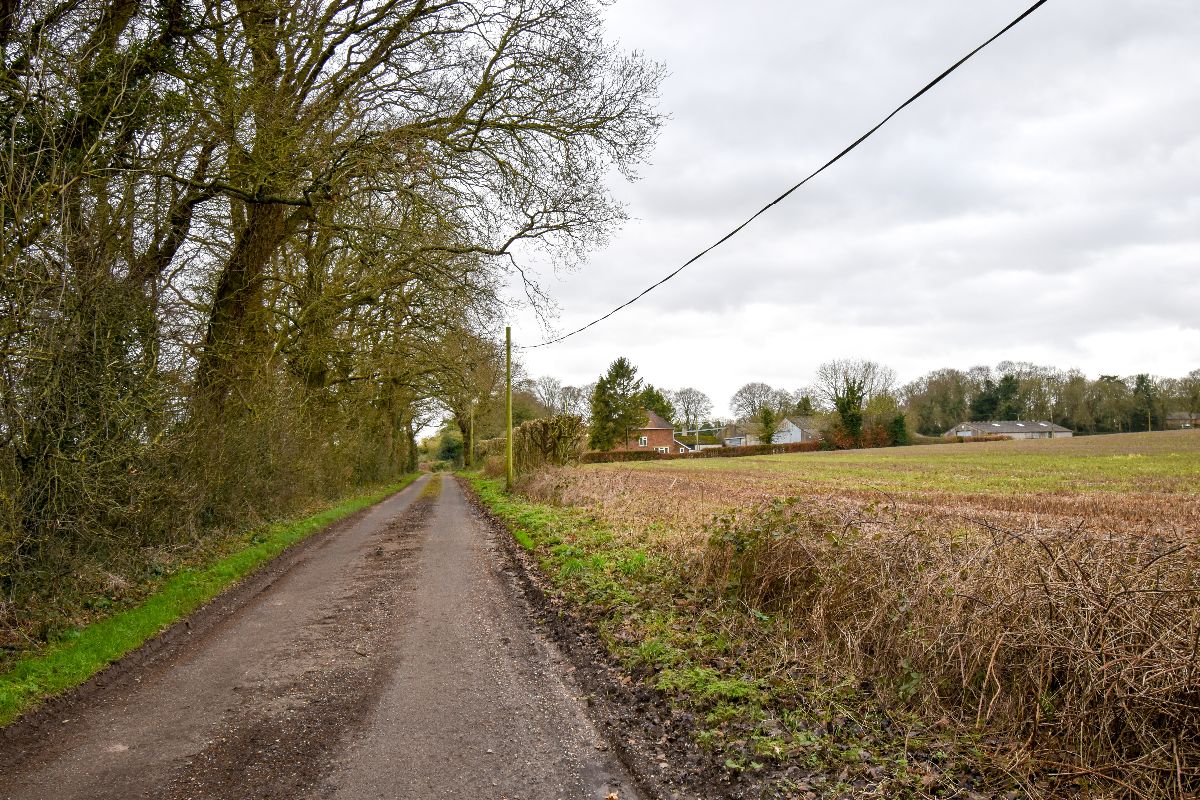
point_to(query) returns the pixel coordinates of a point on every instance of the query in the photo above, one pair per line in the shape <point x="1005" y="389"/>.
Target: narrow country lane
<point x="392" y="659"/>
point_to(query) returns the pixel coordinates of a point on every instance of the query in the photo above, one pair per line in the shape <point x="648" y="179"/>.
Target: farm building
<point x="1014" y="429"/>
<point x="739" y="436"/>
<point x="1178" y="420"/>
<point x="658" y="435"/>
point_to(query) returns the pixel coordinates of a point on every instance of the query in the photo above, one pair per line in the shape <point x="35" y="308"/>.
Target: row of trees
<point x="248" y="248"/>
<point x="1020" y="390"/>
<point x="856" y="402"/>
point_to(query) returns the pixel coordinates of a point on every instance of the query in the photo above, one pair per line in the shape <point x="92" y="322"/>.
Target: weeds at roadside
<point x="706" y="655"/>
<point x="907" y="647"/>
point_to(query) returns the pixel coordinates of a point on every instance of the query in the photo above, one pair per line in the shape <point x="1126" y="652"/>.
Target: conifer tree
<point x="616" y="405"/>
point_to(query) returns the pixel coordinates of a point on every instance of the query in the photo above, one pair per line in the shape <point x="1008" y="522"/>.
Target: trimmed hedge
<point x="616" y="456"/>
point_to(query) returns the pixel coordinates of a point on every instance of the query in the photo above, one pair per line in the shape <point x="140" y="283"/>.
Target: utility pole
<point x="508" y="450"/>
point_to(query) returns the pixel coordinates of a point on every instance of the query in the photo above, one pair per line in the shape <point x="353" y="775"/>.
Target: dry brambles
<point x="1046" y="593"/>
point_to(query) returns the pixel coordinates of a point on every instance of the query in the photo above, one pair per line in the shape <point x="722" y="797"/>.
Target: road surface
<point x="390" y="657"/>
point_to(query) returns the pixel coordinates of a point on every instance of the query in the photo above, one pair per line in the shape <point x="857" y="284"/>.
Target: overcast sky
<point x="1042" y="204"/>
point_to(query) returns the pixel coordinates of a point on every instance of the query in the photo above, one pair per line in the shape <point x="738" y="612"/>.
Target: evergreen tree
<point x="804" y="405"/>
<point x="1144" y="415"/>
<point x="767" y="419"/>
<point x="616" y="405"/>
<point x="1008" y="398"/>
<point x="986" y="403"/>
<point x="654" y="400"/>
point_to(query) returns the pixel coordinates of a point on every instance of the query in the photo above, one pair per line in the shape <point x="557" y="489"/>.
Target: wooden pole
<point x="508" y="445"/>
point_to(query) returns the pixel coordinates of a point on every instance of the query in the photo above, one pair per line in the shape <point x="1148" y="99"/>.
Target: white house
<point x="789" y="431"/>
<point x="1031" y="429"/>
<point x="796" y="429"/>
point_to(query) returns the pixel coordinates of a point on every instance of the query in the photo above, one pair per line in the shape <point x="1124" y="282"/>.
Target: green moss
<point x="85" y="651"/>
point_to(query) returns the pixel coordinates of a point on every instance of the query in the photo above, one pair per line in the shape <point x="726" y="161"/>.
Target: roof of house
<point x="678" y="443"/>
<point x="1182" y="415"/>
<point x="803" y="423"/>
<point x="655" y="421"/>
<point x="1006" y="427"/>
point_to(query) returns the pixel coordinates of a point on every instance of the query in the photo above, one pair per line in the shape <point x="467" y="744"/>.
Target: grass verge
<point x="885" y="651"/>
<point x="815" y="732"/>
<point x="83" y="652"/>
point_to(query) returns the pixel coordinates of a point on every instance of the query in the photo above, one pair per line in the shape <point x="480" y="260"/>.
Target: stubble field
<point x="1148" y="482"/>
<point x="1040" y="598"/>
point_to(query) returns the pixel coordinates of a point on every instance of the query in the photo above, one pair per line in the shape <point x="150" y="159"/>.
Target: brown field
<point x="1122" y="483"/>
<point x="1044" y="595"/>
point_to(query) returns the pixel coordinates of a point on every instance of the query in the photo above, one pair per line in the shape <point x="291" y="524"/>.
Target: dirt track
<point x="389" y="657"/>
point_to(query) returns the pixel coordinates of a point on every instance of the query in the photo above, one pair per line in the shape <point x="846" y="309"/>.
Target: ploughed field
<point x="1038" y="599"/>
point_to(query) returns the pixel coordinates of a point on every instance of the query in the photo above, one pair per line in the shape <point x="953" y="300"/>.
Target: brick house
<point x="1180" y="420"/>
<point x="658" y="435"/>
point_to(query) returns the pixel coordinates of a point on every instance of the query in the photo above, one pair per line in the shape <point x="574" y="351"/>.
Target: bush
<point x="554" y="441"/>
<point x="1080" y="644"/>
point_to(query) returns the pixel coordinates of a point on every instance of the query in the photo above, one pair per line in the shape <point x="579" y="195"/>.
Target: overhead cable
<point x="783" y="196"/>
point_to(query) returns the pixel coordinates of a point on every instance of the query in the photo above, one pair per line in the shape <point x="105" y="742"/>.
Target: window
<point x="643" y="441"/>
<point x="663" y="449"/>
<point x="683" y="449"/>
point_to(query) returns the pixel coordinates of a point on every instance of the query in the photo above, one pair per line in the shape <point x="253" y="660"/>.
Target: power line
<point x="783" y="196"/>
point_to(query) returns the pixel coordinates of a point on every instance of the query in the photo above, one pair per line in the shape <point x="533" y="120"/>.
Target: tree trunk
<point x="232" y="323"/>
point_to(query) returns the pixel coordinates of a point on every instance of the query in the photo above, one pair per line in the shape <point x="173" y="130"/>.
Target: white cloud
<point x="1042" y="204"/>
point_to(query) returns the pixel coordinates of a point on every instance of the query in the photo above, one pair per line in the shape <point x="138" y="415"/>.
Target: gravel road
<point x="390" y="657"/>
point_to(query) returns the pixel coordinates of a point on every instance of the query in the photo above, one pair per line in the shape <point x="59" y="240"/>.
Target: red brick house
<point x="658" y="435"/>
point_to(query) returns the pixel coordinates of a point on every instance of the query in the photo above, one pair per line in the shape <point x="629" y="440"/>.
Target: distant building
<point x="789" y="431"/>
<point x="1031" y="429"/>
<point x="657" y="435"/>
<point x="796" y="429"/>
<point x="1179" y="420"/>
<point x="738" y="435"/>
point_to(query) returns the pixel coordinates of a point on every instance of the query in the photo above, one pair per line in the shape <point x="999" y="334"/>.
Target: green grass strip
<point x="433" y="488"/>
<point x="68" y="663"/>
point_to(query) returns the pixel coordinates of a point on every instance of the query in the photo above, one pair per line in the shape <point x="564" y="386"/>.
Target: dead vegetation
<point x="1058" y="630"/>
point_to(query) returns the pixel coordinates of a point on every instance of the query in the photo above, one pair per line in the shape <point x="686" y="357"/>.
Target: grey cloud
<point x="1066" y="158"/>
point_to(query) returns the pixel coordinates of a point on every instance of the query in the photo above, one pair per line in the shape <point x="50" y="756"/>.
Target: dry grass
<point x="1061" y="623"/>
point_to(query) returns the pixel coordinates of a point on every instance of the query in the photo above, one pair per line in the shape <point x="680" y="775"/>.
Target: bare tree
<point x="748" y="401"/>
<point x="243" y="241"/>
<point x="849" y="384"/>
<point x="577" y="400"/>
<point x="549" y="392"/>
<point x="692" y="405"/>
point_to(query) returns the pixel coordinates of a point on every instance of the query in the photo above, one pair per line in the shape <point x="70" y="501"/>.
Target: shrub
<point x="1078" y="644"/>
<point x="554" y="441"/>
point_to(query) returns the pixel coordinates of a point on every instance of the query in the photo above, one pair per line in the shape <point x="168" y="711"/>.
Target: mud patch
<point x="291" y="724"/>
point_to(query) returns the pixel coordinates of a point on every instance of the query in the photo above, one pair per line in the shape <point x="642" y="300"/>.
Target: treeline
<point x="250" y="248"/>
<point x="860" y="403"/>
<point x="1020" y="390"/>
